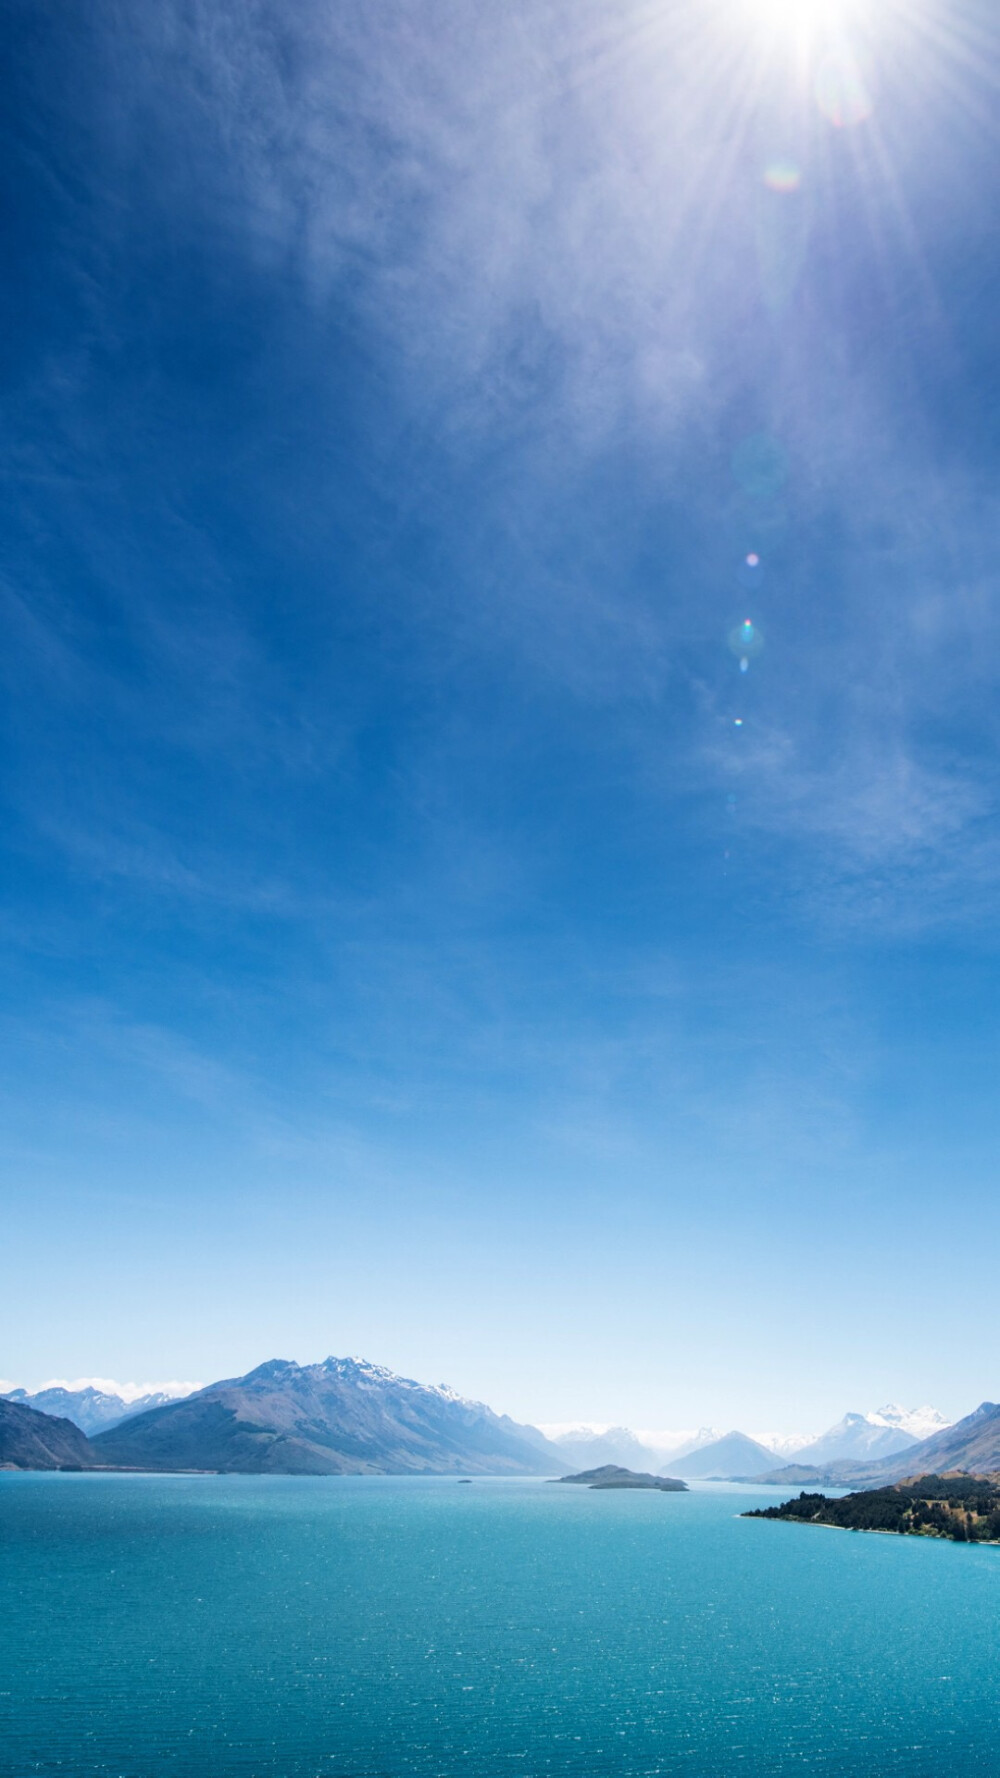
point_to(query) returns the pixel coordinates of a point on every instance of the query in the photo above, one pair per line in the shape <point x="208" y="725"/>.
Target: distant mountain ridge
<point x="705" y="1435"/>
<point x="92" y="1410"/>
<point x="864" y="1438"/>
<point x="617" y="1446"/>
<point x="345" y="1416"/>
<point x="729" y="1457"/>
<point x="971" y="1445"/>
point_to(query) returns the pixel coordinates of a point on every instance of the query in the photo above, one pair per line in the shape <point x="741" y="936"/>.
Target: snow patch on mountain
<point x="918" y="1422"/>
<point x="785" y="1443"/>
<point x="672" y="1443"/>
<point x="365" y="1373"/>
<point x="866" y="1437"/>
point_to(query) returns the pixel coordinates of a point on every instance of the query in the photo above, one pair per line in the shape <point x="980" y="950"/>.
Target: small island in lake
<point x="611" y="1476"/>
<point x="965" y="1508"/>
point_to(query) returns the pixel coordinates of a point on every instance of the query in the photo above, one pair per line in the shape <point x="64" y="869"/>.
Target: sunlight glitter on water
<point x="244" y="1627"/>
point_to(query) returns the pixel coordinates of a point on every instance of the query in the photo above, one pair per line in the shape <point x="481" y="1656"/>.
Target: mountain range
<point x="342" y="1417"/>
<point x="617" y="1445"/>
<point x="93" y="1410"/>
<point x="863" y="1438"/>
<point x="971" y="1445"/>
<point x="97" y="1407"/>
<point x="348" y="1416"/>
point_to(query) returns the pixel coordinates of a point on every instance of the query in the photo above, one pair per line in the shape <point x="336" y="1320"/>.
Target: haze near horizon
<point x="501" y="619"/>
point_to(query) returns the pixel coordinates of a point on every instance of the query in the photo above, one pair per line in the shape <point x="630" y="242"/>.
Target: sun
<point x="793" y="15"/>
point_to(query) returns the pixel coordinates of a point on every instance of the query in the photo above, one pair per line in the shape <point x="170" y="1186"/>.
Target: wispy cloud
<point x="127" y="1391"/>
<point x="548" y="247"/>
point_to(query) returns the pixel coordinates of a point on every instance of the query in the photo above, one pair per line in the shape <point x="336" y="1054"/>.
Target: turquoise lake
<point x="204" y="1627"/>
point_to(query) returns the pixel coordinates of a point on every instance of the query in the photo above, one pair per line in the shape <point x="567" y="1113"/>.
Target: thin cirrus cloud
<point x="550" y="252"/>
<point x="545" y="241"/>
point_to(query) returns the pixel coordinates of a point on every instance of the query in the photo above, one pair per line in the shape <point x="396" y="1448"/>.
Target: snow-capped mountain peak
<point x="918" y="1422"/>
<point x="786" y="1444"/>
<point x="864" y="1437"/>
<point x="95" y="1404"/>
<point x="378" y="1376"/>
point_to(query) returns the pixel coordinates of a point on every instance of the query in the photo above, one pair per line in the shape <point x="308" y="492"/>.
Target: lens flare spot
<point x="750" y="572"/>
<point x="782" y="176"/>
<point x="841" y="93"/>
<point x="745" y="641"/>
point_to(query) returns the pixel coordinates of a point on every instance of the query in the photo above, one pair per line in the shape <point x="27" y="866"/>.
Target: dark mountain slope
<point x="30" y="1440"/>
<point x="342" y="1417"/>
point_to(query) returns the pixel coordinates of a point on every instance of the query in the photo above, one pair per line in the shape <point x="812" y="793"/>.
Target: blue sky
<point x="421" y="937"/>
